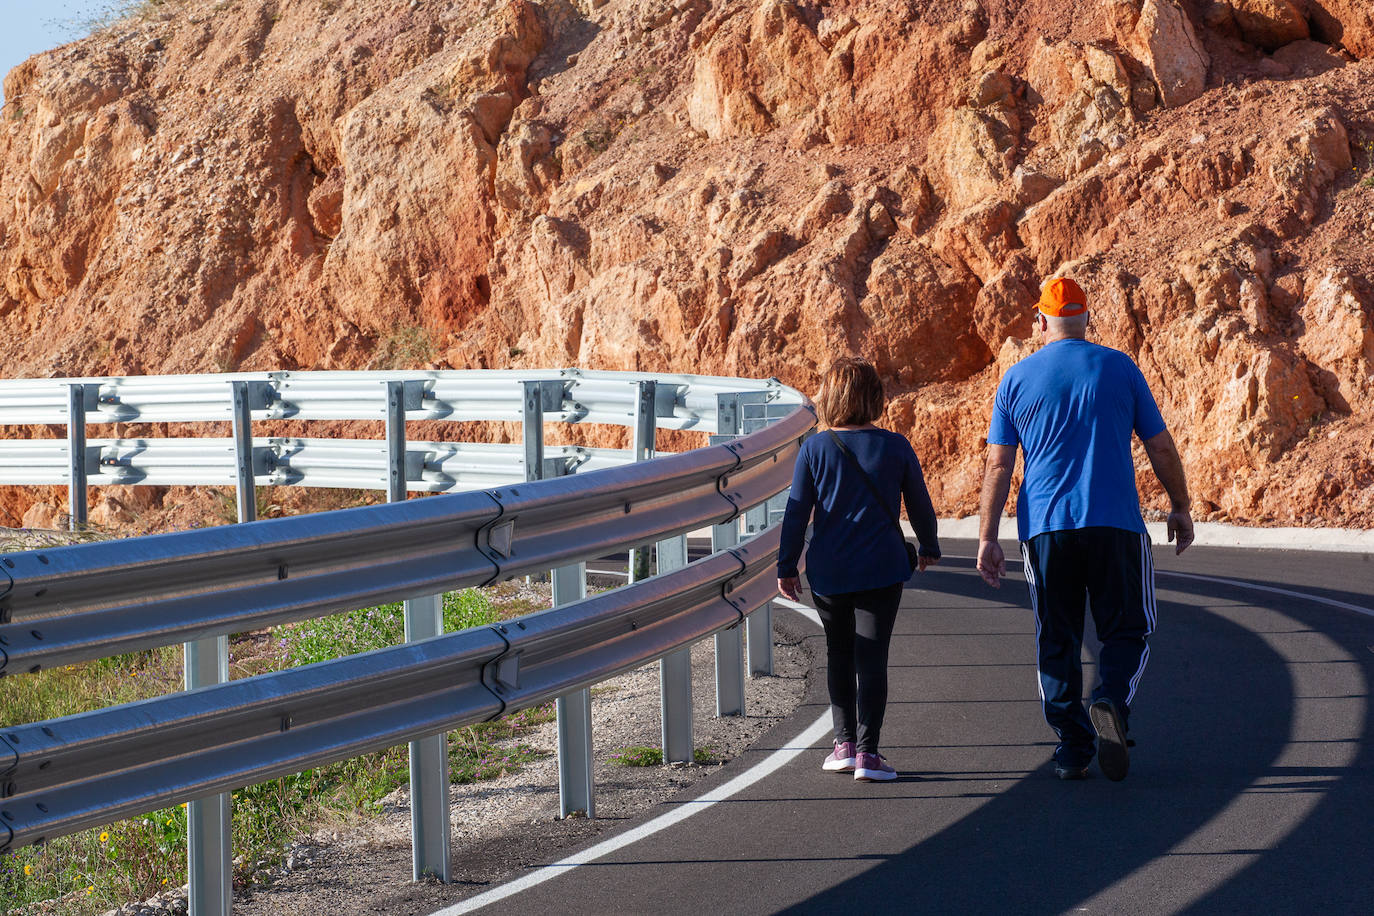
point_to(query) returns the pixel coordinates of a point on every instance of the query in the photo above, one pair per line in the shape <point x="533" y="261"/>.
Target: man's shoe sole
<point x="1112" y="754"/>
<point x="1070" y="773"/>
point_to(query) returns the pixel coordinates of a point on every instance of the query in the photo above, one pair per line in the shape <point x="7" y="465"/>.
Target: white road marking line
<point x="804" y="742"/>
<point x="1241" y="583"/>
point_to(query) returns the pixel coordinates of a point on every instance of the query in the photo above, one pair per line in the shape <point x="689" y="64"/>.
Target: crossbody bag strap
<point x="869" y="481"/>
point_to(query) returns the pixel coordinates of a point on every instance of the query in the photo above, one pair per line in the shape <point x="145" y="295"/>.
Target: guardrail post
<point x="729" y="643"/>
<point x="642" y="449"/>
<point x="209" y="821"/>
<point x="245" y="489"/>
<point x="424" y="617"/>
<point x="576" y="790"/>
<point x="76" y="457"/>
<point x="532" y="415"/>
<point x="675" y="672"/>
<point x="759" y="625"/>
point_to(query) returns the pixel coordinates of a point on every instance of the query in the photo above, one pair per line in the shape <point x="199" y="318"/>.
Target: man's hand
<point x="789" y="587"/>
<point x="1168" y="467"/>
<point x="1180" y="525"/>
<point x="992" y="563"/>
<point x="923" y="561"/>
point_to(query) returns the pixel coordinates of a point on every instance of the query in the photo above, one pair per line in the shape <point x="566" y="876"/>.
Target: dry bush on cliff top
<point x="736" y="188"/>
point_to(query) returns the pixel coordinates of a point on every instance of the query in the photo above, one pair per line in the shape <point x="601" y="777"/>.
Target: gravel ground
<point x="502" y="826"/>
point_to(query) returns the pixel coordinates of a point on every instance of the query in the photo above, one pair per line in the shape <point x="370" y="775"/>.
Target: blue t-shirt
<point x="854" y="544"/>
<point x="1072" y="407"/>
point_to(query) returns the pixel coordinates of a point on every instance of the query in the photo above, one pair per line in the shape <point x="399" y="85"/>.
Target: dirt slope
<point x="735" y="187"/>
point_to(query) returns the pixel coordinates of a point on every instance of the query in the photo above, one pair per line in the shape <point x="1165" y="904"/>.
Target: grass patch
<point x="349" y="633"/>
<point x="93" y="871"/>
<point x="642" y="756"/>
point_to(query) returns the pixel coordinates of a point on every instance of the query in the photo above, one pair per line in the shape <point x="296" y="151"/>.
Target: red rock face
<point x="732" y="188"/>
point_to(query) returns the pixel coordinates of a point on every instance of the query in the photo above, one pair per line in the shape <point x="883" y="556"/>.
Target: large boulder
<point x="1270" y="24"/>
<point x="1348" y="23"/>
<point x="750" y="79"/>
<point x="1338" y="338"/>
<point x="1159" y="34"/>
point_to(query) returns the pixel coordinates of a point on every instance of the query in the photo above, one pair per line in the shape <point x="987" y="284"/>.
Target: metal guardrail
<point x="93" y="600"/>
<point x="682" y="401"/>
<point x="705" y="403"/>
<point x="86" y="770"/>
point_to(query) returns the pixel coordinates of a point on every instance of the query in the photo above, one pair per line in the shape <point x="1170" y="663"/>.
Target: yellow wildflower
<point x="105" y="837"/>
<point x="28" y="869"/>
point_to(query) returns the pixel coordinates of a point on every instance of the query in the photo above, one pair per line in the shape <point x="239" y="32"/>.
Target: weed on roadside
<point x="642" y="756"/>
<point x="92" y="871"/>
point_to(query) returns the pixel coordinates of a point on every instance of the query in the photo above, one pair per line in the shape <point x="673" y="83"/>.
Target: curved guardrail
<point x="92" y="600"/>
<point x="82" y="771"/>
<point x="685" y="402"/>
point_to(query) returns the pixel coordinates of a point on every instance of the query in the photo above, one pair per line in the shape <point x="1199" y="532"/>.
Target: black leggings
<point x="858" y="631"/>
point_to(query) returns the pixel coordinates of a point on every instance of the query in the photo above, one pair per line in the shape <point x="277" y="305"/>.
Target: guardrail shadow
<point x="1326" y="863"/>
<point x="1215" y="714"/>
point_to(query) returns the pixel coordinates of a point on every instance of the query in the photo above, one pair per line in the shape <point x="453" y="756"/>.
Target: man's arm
<point x="992" y="563"/>
<point x="1168" y="467"/>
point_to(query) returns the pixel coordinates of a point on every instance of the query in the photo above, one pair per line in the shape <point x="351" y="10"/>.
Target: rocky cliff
<point x="735" y="187"/>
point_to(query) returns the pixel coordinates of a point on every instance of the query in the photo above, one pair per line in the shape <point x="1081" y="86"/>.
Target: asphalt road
<point x="1251" y="786"/>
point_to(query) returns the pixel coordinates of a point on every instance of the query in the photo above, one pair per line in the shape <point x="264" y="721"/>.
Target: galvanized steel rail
<point x="82" y="771"/>
<point x="93" y="600"/>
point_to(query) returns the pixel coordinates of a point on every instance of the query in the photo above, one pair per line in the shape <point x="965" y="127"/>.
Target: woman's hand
<point x="923" y="562"/>
<point x="789" y="587"/>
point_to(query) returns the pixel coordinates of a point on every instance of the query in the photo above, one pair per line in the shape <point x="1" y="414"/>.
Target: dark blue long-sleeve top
<point x="854" y="545"/>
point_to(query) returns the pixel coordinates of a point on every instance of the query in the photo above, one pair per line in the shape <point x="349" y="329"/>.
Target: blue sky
<point x="30" y="26"/>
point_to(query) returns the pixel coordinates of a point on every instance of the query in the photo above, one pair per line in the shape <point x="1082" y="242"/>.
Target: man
<point x="1072" y="407"/>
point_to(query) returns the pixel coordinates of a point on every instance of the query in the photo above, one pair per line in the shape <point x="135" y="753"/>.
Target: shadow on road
<point x="1215" y="715"/>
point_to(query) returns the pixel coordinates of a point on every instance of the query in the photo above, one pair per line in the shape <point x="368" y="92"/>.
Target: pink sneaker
<point x="873" y="768"/>
<point x="841" y="759"/>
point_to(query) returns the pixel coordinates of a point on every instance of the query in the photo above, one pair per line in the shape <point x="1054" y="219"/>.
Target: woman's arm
<point x="800" y="503"/>
<point x="919" y="509"/>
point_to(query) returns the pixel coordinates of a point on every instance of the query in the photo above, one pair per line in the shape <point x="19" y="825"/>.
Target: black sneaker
<point x="1063" y="772"/>
<point x="1112" y="754"/>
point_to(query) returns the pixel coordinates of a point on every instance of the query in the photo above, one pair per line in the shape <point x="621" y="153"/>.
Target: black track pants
<point x="858" y="631"/>
<point x="1111" y="571"/>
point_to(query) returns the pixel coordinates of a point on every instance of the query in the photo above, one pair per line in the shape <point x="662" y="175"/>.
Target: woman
<point x="852" y="478"/>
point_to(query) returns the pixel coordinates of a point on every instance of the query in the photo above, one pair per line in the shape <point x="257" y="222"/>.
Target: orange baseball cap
<point x="1062" y="298"/>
